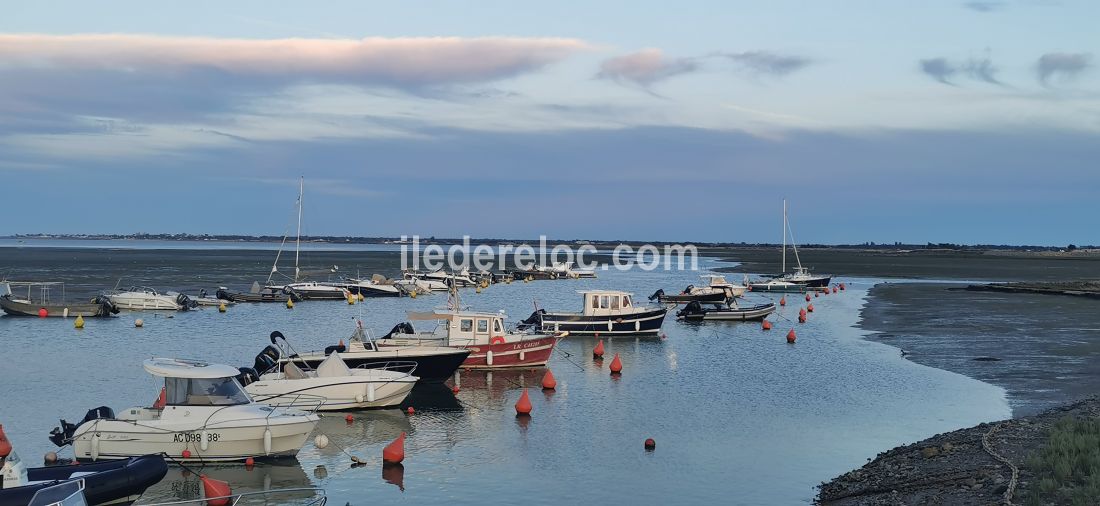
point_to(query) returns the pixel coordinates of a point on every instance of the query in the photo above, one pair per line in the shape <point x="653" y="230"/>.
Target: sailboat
<point x="304" y="289"/>
<point x="798" y="281"/>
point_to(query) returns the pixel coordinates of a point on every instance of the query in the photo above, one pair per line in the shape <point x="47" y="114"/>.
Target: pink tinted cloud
<point x="411" y="61"/>
<point x="645" y="67"/>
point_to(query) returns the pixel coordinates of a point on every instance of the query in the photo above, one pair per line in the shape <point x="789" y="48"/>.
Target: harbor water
<point x="738" y="415"/>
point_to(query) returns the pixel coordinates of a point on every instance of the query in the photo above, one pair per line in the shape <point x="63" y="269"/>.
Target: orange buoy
<point x="834" y="289"/>
<point x="186" y="454"/>
<point x="801" y="311"/>
<point x="650" y="444"/>
<point x="349" y="418"/>
<point x="783" y="300"/>
<point x="767" y="325"/>
<point x="394" y="452"/>
<point x="842" y="286"/>
<point x="616" y="365"/>
<point x="410" y="410"/>
<point x="5" y="445"/>
<point x="810" y="307"/>
<point x="801" y="318"/>
<point x="162" y="399"/>
<point x="340" y="344"/>
<point x="249" y="462"/>
<point x="215" y="488"/>
<point x="523" y="405"/>
<point x="42" y="313"/>
<point x="791" y="336"/>
<point x="598" y="350"/>
<point x="807" y="297"/>
<point x="548" y="381"/>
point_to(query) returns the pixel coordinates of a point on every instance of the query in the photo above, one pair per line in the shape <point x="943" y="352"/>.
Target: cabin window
<point x="595" y="302"/>
<point x="626" y="301"/>
<point x="466" y="325"/>
<point x="604" y="302"/>
<point x="204" y="392"/>
<point x="482" y="326"/>
<point x="496" y="326"/>
<point x="614" y="302"/>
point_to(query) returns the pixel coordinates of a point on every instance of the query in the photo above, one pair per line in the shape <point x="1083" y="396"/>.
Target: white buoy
<point x="522" y="356"/>
<point x="139" y="323"/>
<point x="370" y="392"/>
<point x="95" y="446"/>
<point x="610" y="325"/>
<point x="204" y="442"/>
<point x="488" y="358"/>
<point x="321" y="441"/>
<point x="267" y="441"/>
<point x="359" y="399"/>
<point x="637" y="325"/>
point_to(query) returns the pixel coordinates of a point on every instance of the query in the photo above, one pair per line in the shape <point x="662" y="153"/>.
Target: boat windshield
<point x="204" y="392"/>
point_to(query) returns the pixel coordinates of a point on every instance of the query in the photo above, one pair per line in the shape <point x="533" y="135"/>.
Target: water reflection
<point x="184" y="484"/>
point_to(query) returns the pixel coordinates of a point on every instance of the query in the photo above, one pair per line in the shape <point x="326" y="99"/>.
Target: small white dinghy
<point x="332" y="386"/>
<point x="203" y="415"/>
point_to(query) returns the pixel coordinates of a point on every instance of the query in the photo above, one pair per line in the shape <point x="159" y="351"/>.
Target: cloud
<point x="768" y="63"/>
<point x="939" y="69"/>
<point x="158" y="78"/>
<point x="985" y="6"/>
<point x="944" y="70"/>
<point x="1062" y="66"/>
<point x="645" y="68"/>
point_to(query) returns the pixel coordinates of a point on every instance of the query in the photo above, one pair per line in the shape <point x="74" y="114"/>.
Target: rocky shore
<point x="974" y="466"/>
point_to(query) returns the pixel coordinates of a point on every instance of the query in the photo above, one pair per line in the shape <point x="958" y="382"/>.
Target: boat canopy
<point x="181" y="368"/>
<point x="441" y="315"/>
<point x="604" y="292"/>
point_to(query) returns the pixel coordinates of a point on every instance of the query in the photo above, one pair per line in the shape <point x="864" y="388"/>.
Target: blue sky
<point x="956" y="121"/>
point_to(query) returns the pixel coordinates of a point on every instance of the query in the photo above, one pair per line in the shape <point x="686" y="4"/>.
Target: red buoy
<point x="783" y="300"/>
<point x="394" y="452"/>
<point x="249" y="462"/>
<point x="598" y="350"/>
<point x="5" y="445"/>
<point x="341" y="343"/>
<point x="410" y="410"/>
<point x="454" y="389"/>
<point x="801" y="318"/>
<point x="186" y="454"/>
<point x="42" y="313"/>
<point x="767" y="325"/>
<point x="650" y="444"/>
<point x="801" y="311"/>
<point x="834" y="289"/>
<point x="548" y="381"/>
<point x="616" y="365"/>
<point x="215" y="488"/>
<point x="523" y="405"/>
<point x="810" y="307"/>
<point x="807" y="297"/>
<point x="349" y="418"/>
<point x="791" y="337"/>
<point x="842" y="286"/>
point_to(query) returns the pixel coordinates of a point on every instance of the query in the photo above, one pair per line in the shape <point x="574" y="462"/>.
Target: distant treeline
<point x="485" y="240"/>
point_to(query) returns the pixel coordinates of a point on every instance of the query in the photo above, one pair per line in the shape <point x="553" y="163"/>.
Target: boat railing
<point x="303" y="402"/>
<point x="318" y="497"/>
<point x="405" y="366"/>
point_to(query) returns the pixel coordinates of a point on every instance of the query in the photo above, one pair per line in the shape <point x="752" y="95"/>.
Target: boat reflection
<point x="184" y="484"/>
<point x="431" y="396"/>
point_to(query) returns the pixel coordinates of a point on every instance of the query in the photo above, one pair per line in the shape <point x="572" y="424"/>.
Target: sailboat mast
<point x="298" y="240"/>
<point x="783" y="266"/>
<point x="794" y="245"/>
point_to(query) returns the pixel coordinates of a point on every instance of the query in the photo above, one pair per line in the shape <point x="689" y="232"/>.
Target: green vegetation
<point x="1067" y="469"/>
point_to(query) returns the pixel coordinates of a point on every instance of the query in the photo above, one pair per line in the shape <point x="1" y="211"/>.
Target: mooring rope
<point x="988" y="447"/>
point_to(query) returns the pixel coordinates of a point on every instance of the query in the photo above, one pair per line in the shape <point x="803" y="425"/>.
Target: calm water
<point x="739" y="416"/>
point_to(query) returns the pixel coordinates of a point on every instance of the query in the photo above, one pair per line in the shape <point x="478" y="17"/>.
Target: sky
<point x="974" y="122"/>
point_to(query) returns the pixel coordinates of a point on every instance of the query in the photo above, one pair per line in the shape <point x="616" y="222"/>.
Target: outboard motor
<point x="658" y="294"/>
<point x="185" y="302"/>
<point x="688" y="289"/>
<point x="267" y="360"/>
<point x="693" y="307"/>
<point x="535" y="320"/>
<point x="63" y="434"/>
<point x="223" y="295"/>
<point x="105" y="302"/>
<point x="336" y="348"/>
<point x="248" y="375"/>
<point x="400" y="328"/>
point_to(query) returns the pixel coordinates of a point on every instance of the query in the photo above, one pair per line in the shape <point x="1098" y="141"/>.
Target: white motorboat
<point x="203" y="414"/>
<point x="377" y="286"/>
<point x="460" y="279"/>
<point x="204" y="299"/>
<point x="716" y="290"/>
<point x="412" y="281"/>
<point x="317" y="290"/>
<point x="293" y="383"/>
<point x="140" y="298"/>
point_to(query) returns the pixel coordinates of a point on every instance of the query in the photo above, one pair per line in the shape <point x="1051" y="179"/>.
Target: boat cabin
<point x="716" y="280"/>
<point x="607" y="302"/>
<point x="465" y="327"/>
<point x="190" y="383"/>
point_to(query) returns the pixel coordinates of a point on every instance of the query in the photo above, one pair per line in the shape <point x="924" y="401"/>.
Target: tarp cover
<point x="333" y="367"/>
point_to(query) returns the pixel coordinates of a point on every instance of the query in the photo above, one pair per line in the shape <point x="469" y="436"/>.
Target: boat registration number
<point x="194" y="437"/>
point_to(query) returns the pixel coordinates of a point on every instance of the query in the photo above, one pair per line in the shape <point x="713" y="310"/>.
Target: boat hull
<point x="648" y="322"/>
<point x="19" y="308"/>
<point x="524" y="353"/>
<point x="279" y="297"/>
<point x="145" y="303"/>
<point x="359" y="391"/>
<point x="755" y="313"/>
<point x="375" y="291"/>
<point x="104" y="482"/>
<point x="685" y="298"/>
<point x="434" y="368"/>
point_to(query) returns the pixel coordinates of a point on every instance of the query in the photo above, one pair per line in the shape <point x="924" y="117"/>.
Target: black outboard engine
<point x="185" y="302"/>
<point x="247" y="376"/>
<point x="63" y="434"/>
<point x="105" y="302"/>
<point x="658" y="294"/>
<point x="688" y="289"/>
<point x="223" y="295"/>
<point x="336" y="348"/>
<point x="400" y="328"/>
<point x="693" y="307"/>
<point x="535" y="320"/>
<point x="267" y="360"/>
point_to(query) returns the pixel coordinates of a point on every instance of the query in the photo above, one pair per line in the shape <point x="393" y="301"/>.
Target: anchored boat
<point x="43" y="303"/>
<point x="259" y="294"/>
<point x="717" y="289"/>
<point x="490" y="345"/>
<point x="143" y="298"/>
<point x="797" y="281"/>
<point x="203" y="415"/>
<point x="606" y="312"/>
<point x="698" y="311"/>
<point x="293" y="383"/>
